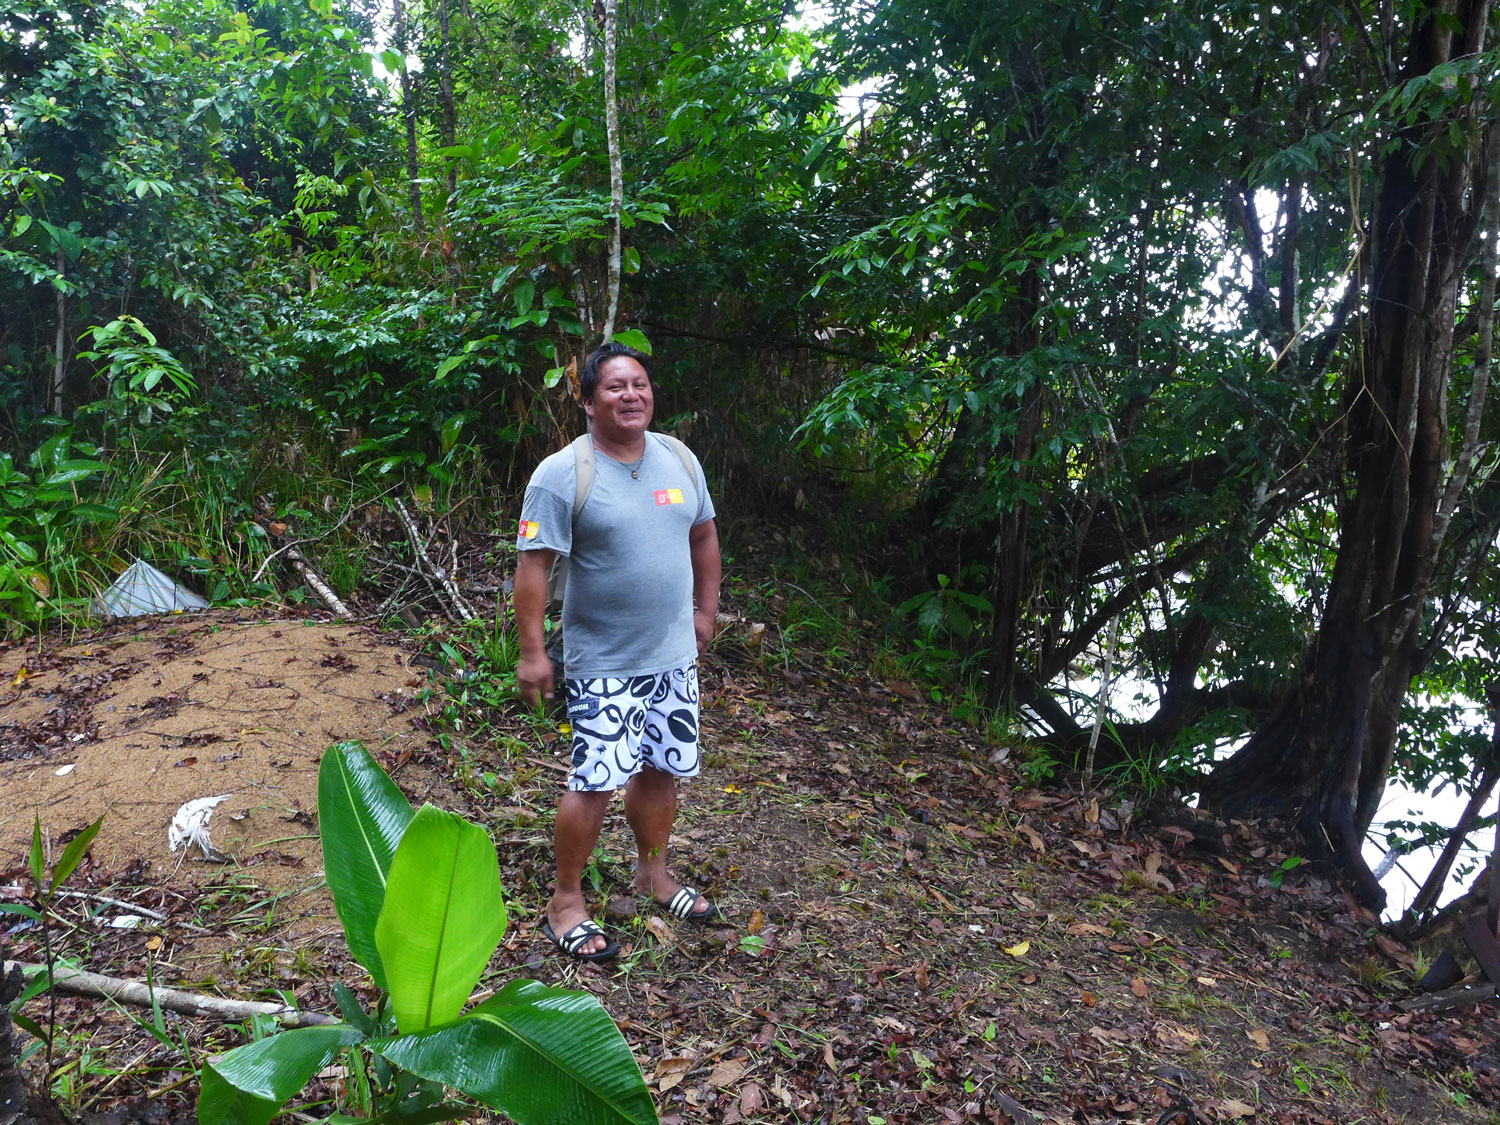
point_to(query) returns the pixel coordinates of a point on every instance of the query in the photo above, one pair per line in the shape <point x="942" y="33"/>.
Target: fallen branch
<point x="1454" y="997"/>
<point x="315" y="581"/>
<point x="77" y="982"/>
<point x="425" y="560"/>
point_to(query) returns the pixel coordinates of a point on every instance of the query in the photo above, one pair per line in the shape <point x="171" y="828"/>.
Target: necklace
<point x="635" y="470"/>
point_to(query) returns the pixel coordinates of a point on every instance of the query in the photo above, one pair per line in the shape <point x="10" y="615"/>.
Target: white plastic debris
<point x="142" y="589"/>
<point x="124" y="921"/>
<point x="67" y="769"/>
<point x="190" y="825"/>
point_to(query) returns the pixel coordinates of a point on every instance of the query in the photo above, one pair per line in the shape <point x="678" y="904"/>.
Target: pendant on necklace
<point x="635" y="474"/>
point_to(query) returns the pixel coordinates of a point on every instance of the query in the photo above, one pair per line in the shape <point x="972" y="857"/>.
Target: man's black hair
<point x="588" y="382"/>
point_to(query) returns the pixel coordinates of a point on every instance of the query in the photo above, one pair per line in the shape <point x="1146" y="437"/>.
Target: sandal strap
<point x="573" y="940"/>
<point x="683" y="902"/>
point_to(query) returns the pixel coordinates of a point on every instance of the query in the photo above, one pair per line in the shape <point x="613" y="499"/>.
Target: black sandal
<point x="572" y="941"/>
<point x="685" y="900"/>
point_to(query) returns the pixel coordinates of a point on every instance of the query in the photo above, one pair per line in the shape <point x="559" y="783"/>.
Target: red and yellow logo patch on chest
<point x="668" y="496"/>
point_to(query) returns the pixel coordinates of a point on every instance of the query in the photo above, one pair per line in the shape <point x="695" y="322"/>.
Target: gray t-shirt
<point x="628" y="607"/>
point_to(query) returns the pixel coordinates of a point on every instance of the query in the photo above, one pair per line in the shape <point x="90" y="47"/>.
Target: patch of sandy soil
<point x="131" y="722"/>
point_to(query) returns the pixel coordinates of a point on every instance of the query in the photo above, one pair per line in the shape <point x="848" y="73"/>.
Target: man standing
<point x="641" y="597"/>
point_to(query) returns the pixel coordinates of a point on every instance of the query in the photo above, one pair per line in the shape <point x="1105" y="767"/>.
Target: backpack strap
<point x="684" y="455"/>
<point x="583" y="472"/>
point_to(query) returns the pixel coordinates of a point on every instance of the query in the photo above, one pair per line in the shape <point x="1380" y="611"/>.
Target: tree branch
<point x="76" y="982"/>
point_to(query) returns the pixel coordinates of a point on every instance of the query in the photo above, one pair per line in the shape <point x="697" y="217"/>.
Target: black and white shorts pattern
<point x="623" y="723"/>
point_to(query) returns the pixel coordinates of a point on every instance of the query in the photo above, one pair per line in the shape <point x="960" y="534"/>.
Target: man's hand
<point x="534" y="672"/>
<point x="703" y="627"/>
<point x="703" y="548"/>
<point x="534" y="678"/>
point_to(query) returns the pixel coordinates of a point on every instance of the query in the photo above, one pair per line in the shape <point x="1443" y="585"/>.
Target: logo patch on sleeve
<point x="668" y="496"/>
<point x="528" y="529"/>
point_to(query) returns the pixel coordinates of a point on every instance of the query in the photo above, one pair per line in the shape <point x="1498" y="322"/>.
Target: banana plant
<point x="418" y="894"/>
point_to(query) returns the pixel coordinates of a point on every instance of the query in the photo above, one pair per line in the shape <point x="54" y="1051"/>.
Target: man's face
<point x="622" y="404"/>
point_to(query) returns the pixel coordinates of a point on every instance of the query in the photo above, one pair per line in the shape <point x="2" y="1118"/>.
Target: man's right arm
<point x="534" y="673"/>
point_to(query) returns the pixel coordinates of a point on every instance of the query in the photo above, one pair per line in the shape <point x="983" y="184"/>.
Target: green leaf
<point x="448" y="435"/>
<point x="70" y="471"/>
<point x="24" y="550"/>
<point x="64" y="239"/>
<point x="542" y="1055"/>
<point x="524" y="292"/>
<point x="249" y="1085"/>
<point x="361" y="818"/>
<point x="73" y="855"/>
<point x="631" y="260"/>
<point x="36" y="859"/>
<point x="633" y="338"/>
<point x="94" y="512"/>
<point x="17" y="908"/>
<point x="442" y="918"/>
<point x="30" y="1026"/>
<point x="447" y="366"/>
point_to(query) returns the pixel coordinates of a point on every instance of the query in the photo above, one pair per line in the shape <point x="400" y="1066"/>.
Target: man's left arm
<point x="703" y="545"/>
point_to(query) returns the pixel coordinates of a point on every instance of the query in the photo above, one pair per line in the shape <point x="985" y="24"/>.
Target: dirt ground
<point x="913" y="933"/>
<point x="138" y="720"/>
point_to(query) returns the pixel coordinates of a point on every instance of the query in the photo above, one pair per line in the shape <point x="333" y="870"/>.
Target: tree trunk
<point x="60" y="365"/>
<point x="616" y="173"/>
<point x="1323" y="757"/>
<point x="409" y="112"/>
<point x="1437" y="879"/>
<point x="445" y="88"/>
<point x="1012" y="575"/>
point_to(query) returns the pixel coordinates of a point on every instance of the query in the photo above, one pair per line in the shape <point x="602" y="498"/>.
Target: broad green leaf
<point x="451" y="429"/>
<point x="17" y="908"/>
<point x="633" y="338"/>
<point x="442" y="918"/>
<point x="64" y="239"/>
<point x="542" y="1055"/>
<point x="361" y="817"/>
<point x="249" y="1085"/>
<point x="24" y="550"/>
<point x="73" y="854"/>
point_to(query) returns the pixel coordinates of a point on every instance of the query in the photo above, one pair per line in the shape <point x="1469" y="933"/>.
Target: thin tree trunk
<point x="409" y="112"/>
<point x="60" y="366"/>
<point x="1427" y="897"/>
<point x="445" y="87"/>
<point x="616" y="173"/>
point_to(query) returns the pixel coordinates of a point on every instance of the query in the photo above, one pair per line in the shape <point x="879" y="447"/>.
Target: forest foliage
<point x="1113" y="332"/>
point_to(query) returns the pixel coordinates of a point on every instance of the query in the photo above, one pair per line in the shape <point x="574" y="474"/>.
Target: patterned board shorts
<point x="623" y="723"/>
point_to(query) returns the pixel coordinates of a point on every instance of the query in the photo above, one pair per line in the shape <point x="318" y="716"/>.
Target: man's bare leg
<point x="580" y="816"/>
<point x="651" y="809"/>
